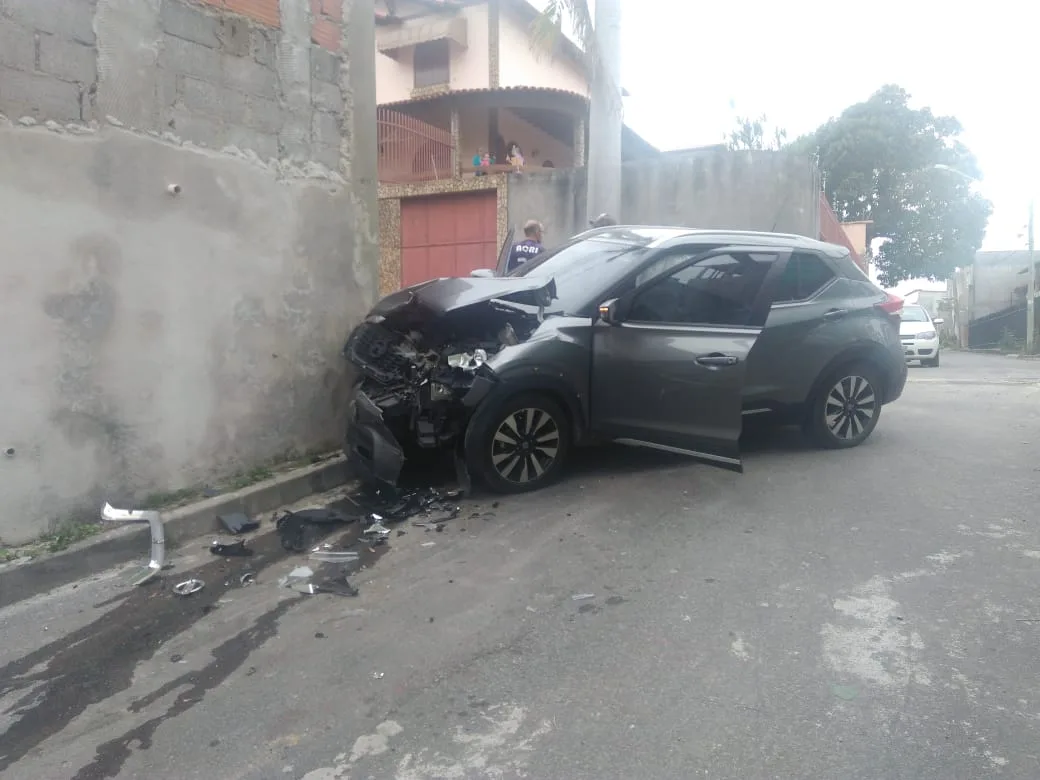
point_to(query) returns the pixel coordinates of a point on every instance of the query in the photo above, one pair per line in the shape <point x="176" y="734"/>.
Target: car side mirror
<point x="608" y="312"/>
<point x="938" y="321"/>
<point x="482" y="273"/>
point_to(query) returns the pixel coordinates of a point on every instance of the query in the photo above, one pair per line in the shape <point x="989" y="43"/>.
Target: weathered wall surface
<point x="771" y="191"/>
<point x="997" y="280"/>
<point x="158" y="339"/>
<point x="768" y="191"/>
<point x="553" y="196"/>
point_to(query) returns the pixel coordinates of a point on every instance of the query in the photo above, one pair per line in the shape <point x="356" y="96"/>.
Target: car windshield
<point x="914" y="314"/>
<point x="583" y="270"/>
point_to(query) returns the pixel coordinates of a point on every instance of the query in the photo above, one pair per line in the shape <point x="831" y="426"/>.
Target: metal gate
<point x="988" y="332"/>
<point x="448" y="235"/>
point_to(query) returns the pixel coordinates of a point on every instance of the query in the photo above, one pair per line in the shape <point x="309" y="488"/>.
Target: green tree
<point x="750" y="134"/>
<point x="884" y="161"/>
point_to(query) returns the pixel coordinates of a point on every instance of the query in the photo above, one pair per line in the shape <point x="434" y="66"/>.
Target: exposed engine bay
<point x="417" y="371"/>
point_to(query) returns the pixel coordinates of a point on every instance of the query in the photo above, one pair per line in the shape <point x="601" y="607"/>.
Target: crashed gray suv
<point x="649" y="336"/>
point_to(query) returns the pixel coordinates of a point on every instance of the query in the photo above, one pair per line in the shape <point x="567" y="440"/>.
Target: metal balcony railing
<point x="411" y="150"/>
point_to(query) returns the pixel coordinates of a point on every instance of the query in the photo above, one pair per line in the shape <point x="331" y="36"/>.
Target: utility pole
<point x="1031" y="301"/>
<point x="605" y="115"/>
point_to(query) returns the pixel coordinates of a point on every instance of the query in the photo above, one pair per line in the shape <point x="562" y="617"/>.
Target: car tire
<point x="494" y="452"/>
<point x="933" y="363"/>
<point x="846" y="408"/>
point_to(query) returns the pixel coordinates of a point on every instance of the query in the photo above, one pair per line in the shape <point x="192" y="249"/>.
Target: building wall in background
<point x="187" y="198"/>
<point x="768" y="191"/>
<point x="524" y="63"/>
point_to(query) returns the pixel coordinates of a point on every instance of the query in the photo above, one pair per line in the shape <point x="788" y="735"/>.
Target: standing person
<point x="516" y="158"/>
<point x="527" y="249"/>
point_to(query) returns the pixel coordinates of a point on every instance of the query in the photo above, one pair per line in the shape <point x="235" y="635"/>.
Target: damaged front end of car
<point x="422" y="358"/>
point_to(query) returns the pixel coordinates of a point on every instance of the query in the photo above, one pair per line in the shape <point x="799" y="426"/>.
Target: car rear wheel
<point x="520" y="445"/>
<point x="846" y="409"/>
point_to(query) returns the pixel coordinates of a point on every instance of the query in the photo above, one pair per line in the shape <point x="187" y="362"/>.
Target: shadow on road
<point x="760" y="436"/>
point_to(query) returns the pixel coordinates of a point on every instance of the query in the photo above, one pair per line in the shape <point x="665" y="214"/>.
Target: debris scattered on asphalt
<point x="377" y="531"/>
<point x="333" y="556"/>
<point x="158" y="544"/>
<point x="429" y="544"/>
<point x="337" y="587"/>
<point x="301" y="573"/>
<point x="188" y="587"/>
<point x="319" y="635"/>
<point x="230" y="549"/>
<point x="176" y="658"/>
<point x="247" y="579"/>
<point x="378" y="675"/>
<point x="238" y="523"/>
<point x="583" y="596"/>
<point x="296" y="528"/>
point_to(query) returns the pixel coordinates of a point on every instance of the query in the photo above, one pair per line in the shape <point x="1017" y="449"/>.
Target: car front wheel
<point x="520" y="445"/>
<point x="933" y="363"/>
<point x="846" y="409"/>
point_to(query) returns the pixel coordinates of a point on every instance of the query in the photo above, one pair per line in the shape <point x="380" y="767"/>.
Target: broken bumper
<point x="371" y="448"/>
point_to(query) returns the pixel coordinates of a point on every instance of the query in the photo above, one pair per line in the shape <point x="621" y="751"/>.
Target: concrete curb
<point x="19" y="582"/>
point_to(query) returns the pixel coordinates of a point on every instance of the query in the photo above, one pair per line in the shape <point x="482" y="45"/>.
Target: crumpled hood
<point x="438" y="297"/>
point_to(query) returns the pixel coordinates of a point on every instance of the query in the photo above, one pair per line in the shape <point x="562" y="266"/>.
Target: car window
<point x="661" y="265"/>
<point x="803" y="277"/>
<point x="914" y="314"/>
<point x="583" y="270"/>
<point x="718" y="290"/>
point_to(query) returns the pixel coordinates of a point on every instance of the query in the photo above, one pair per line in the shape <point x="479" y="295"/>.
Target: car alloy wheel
<point x="525" y="446"/>
<point x="850" y="408"/>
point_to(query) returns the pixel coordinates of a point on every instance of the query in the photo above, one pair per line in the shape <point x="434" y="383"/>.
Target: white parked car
<point x="920" y="335"/>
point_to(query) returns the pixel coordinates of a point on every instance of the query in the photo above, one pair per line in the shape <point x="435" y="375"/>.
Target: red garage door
<point x="448" y="235"/>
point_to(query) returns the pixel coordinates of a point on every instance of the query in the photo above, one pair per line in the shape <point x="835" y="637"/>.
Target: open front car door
<point x="669" y="356"/>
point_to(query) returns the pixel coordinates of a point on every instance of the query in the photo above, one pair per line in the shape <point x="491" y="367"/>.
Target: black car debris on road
<point x="648" y="336"/>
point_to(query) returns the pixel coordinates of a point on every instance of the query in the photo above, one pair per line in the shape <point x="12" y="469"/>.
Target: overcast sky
<point x="686" y="62"/>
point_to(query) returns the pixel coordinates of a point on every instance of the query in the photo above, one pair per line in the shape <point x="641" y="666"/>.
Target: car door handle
<point x="835" y="314"/>
<point x="717" y="359"/>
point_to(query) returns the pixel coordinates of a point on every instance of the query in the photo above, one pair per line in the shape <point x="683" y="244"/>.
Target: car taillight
<point x="892" y="305"/>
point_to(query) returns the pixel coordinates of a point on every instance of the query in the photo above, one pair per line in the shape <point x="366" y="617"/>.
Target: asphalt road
<point x="858" y="615"/>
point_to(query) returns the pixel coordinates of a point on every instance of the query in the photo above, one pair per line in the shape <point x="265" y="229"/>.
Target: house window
<point x="431" y="63"/>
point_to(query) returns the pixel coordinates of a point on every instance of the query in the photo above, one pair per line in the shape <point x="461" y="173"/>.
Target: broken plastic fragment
<point x="229" y="549"/>
<point x="155" y="525"/>
<point x="238" y="522"/>
<point x="583" y="596"/>
<point x="377" y="530"/>
<point x="468" y="361"/>
<point x="334" y="556"/>
<point x="247" y="579"/>
<point x="188" y="587"/>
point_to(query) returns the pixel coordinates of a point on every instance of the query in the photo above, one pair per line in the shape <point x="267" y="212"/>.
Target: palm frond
<point x="548" y="27"/>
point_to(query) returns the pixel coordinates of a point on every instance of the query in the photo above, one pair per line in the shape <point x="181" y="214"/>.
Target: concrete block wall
<point x="48" y="58"/>
<point x="161" y="340"/>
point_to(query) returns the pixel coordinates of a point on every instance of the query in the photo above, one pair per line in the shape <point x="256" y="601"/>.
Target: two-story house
<point x="456" y="79"/>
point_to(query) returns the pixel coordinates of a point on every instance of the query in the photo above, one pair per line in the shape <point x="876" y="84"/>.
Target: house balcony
<point x="443" y="135"/>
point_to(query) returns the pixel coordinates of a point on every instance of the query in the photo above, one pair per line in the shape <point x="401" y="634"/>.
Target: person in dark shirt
<point x="527" y="249"/>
